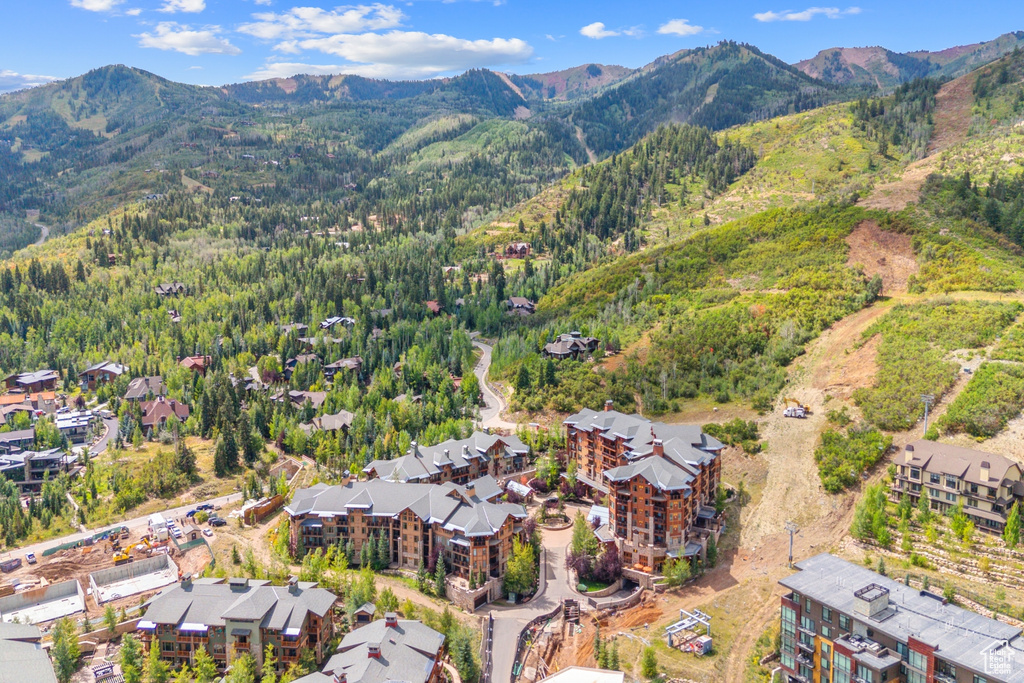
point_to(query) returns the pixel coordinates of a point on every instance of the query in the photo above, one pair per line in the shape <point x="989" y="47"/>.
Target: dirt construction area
<point x="78" y="563"/>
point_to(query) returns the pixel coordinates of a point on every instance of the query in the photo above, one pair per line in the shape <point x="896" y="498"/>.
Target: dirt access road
<point x="494" y="404"/>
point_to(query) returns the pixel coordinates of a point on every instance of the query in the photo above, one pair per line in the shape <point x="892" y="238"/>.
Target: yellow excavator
<point x="123" y="556"/>
<point x="795" y="408"/>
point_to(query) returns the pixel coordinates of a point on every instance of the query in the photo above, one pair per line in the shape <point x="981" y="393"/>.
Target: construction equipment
<point x="795" y="409"/>
<point x="123" y="556"/>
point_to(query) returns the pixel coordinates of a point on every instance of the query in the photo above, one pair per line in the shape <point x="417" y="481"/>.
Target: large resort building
<point x="987" y="484"/>
<point x="661" y="481"/>
<point x="459" y="461"/>
<point x="843" y="623"/>
<point x="472" y="533"/>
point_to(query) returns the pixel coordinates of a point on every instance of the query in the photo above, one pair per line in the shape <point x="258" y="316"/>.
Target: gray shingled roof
<point x="407" y="653"/>
<point x="421" y="462"/>
<point x="960" y="636"/>
<point x="965" y="463"/>
<point x="685" y="441"/>
<point x="21" y="658"/>
<point x="140" y="387"/>
<point x="447" y="504"/>
<point x="211" y="602"/>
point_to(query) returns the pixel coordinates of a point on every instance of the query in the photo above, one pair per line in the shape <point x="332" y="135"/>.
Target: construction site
<point x="118" y="567"/>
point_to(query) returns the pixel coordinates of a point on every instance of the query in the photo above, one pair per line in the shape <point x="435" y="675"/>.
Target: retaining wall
<point x="131" y="570"/>
<point x="64" y="598"/>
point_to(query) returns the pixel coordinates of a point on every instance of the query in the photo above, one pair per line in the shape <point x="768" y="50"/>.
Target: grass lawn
<point x="593" y="586"/>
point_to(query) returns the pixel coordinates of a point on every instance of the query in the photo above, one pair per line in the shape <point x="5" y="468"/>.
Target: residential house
<point x="28" y="469"/>
<point x="986" y="483"/>
<point x="363" y="614"/>
<point x="310" y="343"/>
<point x="16" y="440"/>
<point x="103" y="372"/>
<point x="155" y="413"/>
<point x="174" y="314"/>
<point x="142" y="388"/>
<point x="353" y="364"/>
<point x="298" y="399"/>
<point x="170" y="289"/>
<point x="844" y="623"/>
<point x="297" y="328"/>
<point x="236" y="617"/>
<point x="473" y="534"/>
<point x="661" y="480"/>
<point x="520" y="305"/>
<point x="75" y="425"/>
<point x="301" y="359"/>
<point x="572" y="345"/>
<point x="22" y="657"/>
<point x="30" y="382"/>
<point x="434" y="307"/>
<point x="337" y="320"/>
<point x="385" y="651"/>
<point x="42" y="401"/>
<point x="517" y="250"/>
<point x="339" y="422"/>
<point x="197" y="364"/>
<point x="457" y="460"/>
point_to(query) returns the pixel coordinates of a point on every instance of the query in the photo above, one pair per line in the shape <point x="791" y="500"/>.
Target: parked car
<point x="217" y="521"/>
<point x="204" y="506"/>
<point x="208" y="533"/>
<point x="106" y="414"/>
<point x="30" y="558"/>
<point x="191" y="513"/>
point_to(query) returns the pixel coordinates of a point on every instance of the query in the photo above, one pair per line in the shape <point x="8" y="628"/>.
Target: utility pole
<point x="792" y="528"/>
<point x="927" y="399"/>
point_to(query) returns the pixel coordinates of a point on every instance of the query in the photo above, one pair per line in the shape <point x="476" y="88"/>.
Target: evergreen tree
<point x="924" y="507"/>
<point x="157" y="670"/>
<point x="1011" y="532"/>
<point x="203" y="666"/>
<point x="712" y="551"/>
<point x="64" y="651"/>
<point x="383" y="551"/>
<point x="268" y="673"/>
<point x="649" y="664"/>
<point x="439" y="575"/>
<point x="132" y="660"/>
<point x="613" y="660"/>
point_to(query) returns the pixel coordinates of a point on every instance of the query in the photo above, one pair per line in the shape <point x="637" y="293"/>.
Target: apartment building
<point x="843" y="623"/>
<point x="456" y="460"/>
<point x="661" y="481"/>
<point x="986" y="483"/>
<point x="238" y="616"/>
<point x="473" y="533"/>
<point x="386" y="650"/>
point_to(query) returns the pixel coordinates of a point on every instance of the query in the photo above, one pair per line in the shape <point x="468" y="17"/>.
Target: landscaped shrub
<point x="842" y="457"/>
<point x="994" y="396"/>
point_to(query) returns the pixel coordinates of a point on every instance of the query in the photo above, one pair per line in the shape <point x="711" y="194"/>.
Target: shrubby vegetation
<point x="842" y="458"/>
<point x="993" y="397"/>
<point x="912" y="356"/>
<point x="902" y="121"/>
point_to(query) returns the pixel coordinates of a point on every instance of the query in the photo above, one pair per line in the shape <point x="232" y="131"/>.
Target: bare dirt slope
<point x="952" y="121"/>
<point x="878" y="252"/>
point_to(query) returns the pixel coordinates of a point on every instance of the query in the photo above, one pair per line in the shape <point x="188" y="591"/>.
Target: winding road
<point x="44" y="232"/>
<point x="494" y="404"/>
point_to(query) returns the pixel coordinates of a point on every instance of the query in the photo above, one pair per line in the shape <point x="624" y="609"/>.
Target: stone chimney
<point x="347" y="479"/>
<point x="608" y="405"/>
<point x="471" y="489"/>
<point x="447" y="455"/>
<point x="415" y="449"/>
<point x="984" y="471"/>
<point x="293" y="585"/>
<point x="186" y="581"/>
<point x="465" y="451"/>
<point x="908" y="454"/>
<point x="373" y="650"/>
<point x="391" y="619"/>
<point x="658" y="447"/>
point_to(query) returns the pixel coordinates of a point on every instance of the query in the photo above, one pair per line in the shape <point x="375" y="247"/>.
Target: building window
<point x="950" y="496"/>
<point x="951" y="482"/>
<point x="790" y="663"/>
<point x="826" y="614"/>
<point x="807" y="623"/>
<point x="807" y="605"/>
<point x="167" y="647"/>
<point x="917" y="660"/>
<point x="844" y="622"/>
<point x="826" y="632"/>
<point x="915" y="472"/>
<point x="865" y="674"/>
<point x="934" y="478"/>
<point x="980" y="679"/>
<point x="902" y="649"/>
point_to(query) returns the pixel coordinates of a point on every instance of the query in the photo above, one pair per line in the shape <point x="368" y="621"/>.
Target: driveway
<point x="100" y="446"/>
<point x="494" y="404"/>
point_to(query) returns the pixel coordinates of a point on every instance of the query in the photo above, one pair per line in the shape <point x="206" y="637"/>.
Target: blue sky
<point x="224" y="41"/>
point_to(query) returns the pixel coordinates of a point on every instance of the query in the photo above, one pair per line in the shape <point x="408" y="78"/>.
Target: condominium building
<point x="385" y="651"/>
<point x="457" y="460"/>
<point x="661" y="481"/>
<point x="473" y="533"/>
<point x="987" y="484"/>
<point x="843" y="623"/>
<point x="238" y="616"/>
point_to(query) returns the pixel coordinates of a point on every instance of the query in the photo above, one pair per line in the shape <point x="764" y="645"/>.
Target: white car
<point x="208" y="533"/>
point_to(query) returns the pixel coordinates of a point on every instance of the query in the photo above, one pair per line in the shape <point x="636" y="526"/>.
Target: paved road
<point x="44" y="232"/>
<point x="494" y="404"/>
<point x="509" y="621"/>
<point x="101" y="445"/>
<point x="137" y="523"/>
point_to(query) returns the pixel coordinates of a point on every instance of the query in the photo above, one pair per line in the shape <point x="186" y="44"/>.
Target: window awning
<point x="311" y="523"/>
<point x="145" y="626"/>
<point x="459" y="540"/>
<point x="240" y="631"/>
<point x="200" y="628"/>
<point x="292" y="632"/>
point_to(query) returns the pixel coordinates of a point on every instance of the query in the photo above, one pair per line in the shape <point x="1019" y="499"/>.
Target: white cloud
<point x="96" y="5"/>
<point x="183" y="6"/>
<point x="133" y="12"/>
<point x="679" y="27"/>
<point x="597" y="31"/>
<point x="807" y="14"/>
<point x="306" y="22"/>
<point x="171" y="35"/>
<point x="12" y="80"/>
<point x="414" y="54"/>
